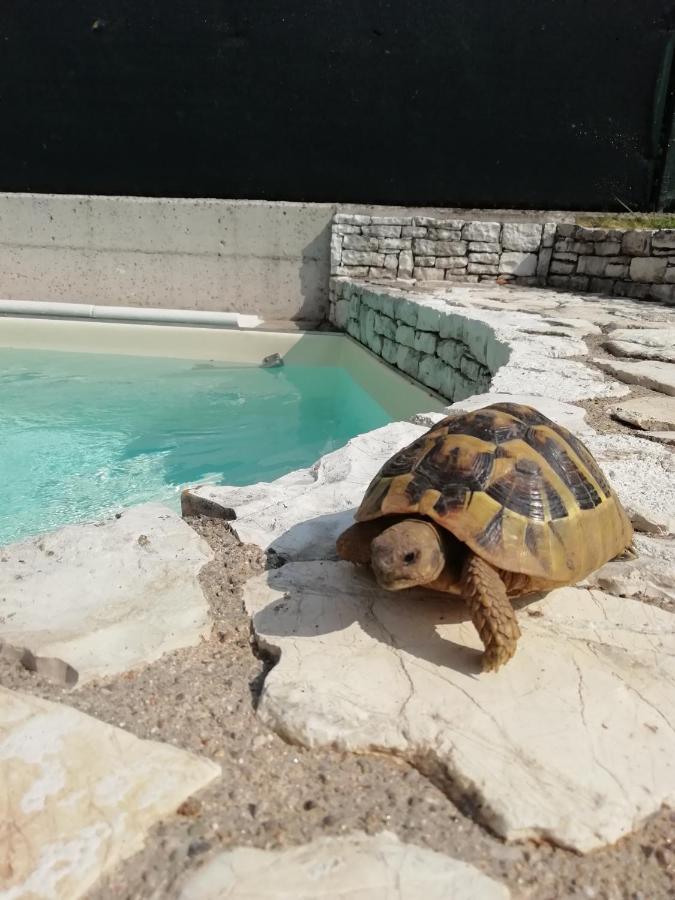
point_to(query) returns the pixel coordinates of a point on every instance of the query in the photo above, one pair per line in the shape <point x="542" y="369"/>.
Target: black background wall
<point x="523" y="103"/>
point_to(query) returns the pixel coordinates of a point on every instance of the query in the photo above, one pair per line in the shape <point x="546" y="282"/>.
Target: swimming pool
<point x="84" y="434"/>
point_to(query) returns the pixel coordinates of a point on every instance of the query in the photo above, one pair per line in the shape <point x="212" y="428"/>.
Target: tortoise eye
<point x="410" y="557"/>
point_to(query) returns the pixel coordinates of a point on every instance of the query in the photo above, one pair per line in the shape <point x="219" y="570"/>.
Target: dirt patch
<point x="272" y="794"/>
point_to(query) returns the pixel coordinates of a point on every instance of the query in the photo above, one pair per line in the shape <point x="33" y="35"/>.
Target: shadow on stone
<point x="51" y="668"/>
<point x="313" y="539"/>
<point x="405" y="620"/>
<point x="314" y="274"/>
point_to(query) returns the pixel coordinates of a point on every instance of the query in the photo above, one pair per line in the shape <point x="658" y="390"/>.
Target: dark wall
<point x="523" y="103"/>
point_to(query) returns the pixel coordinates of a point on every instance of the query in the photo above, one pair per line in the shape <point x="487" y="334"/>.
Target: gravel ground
<point x="272" y="794"/>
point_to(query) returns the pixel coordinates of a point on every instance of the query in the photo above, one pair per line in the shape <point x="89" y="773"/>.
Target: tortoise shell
<point x="521" y="491"/>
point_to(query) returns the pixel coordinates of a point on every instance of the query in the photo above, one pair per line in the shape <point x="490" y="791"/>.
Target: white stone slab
<point x="573" y="740"/>
<point x="78" y="796"/>
<point x="530" y="371"/>
<point x="654" y="412"/>
<point x="94" y="600"/>
<point x="301" y="514"/>
<point x="659" y="376"/>
<point x="563" y="327"/>
<point x="354" y="867"/>
<point x="643" y="343"/>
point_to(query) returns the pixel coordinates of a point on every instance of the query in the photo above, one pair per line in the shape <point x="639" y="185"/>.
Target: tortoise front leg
<point x="491" y="611"/>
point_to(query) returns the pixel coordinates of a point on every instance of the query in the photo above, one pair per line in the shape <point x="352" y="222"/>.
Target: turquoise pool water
<point x="82" y="435"/>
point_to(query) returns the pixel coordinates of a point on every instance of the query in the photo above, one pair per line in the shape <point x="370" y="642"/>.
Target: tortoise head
<point x="408" y="554"/>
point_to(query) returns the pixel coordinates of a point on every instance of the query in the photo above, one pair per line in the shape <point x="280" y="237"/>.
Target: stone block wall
<point x="638" y="264"/>
<point x="627" y="263"/>
<point x="427" y="249"/>
<point x="449" y="353"/>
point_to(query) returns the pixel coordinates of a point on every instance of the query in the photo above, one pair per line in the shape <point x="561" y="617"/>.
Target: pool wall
<point x="395" y="391"/>
<point x="257" y="257"/>
<point x="447" y="351"/>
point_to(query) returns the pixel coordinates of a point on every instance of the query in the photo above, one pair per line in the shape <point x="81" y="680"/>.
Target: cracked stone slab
<point x="643" y="343"/>
<point x="568" y="381"/>
<point x="572" y="741"/>
<point x="643" y="474"/>
<point x="79" y="796"/>
<point x="654" y="413"/>
<point x="93" y="600"/>
<point x="584" y="309"/>
<point x="654" y="374"/>
<point x="563" y="326"/>
<point x="354" y="867"/>
<point x="301" y="514"/>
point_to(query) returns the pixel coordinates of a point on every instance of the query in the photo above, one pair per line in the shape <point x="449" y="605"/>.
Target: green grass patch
<point x="629" y="220"/>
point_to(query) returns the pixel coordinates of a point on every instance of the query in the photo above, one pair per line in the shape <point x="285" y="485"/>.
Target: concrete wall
<point x="269" y="258"/>
<point x="232" y="255"/>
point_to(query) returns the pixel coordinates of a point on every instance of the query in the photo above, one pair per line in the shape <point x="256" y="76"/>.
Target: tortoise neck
<point x="455" y="552"/>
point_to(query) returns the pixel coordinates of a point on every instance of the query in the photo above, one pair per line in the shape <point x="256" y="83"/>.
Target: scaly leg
<point x="491" y="611"/>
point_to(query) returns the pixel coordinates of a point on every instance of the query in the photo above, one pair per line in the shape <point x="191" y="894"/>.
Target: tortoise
<point x="491" y="504"/>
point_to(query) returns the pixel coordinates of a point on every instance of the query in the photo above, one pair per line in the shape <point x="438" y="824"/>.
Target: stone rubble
<point x="93" y="600"/>
<point x="78" y="796"/>
<point x="663" y="437"/>
<point x="354" y="867"/>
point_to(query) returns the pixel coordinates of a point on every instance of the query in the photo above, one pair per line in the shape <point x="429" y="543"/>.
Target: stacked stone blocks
<point x="427" y="249"/>
<point x="637" y="264"/>
<point x="629" y="263"/>
<point x="450" y="354"/>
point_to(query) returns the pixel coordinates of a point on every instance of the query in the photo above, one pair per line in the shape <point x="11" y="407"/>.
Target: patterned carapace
<point x="519" y="489"/>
